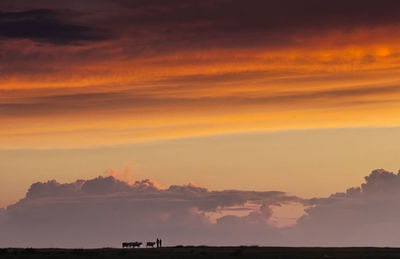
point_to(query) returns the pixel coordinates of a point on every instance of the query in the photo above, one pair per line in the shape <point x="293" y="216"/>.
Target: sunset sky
<point x="288" y="100"/>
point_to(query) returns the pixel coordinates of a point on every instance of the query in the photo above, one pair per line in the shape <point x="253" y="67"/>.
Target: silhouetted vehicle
<point x="150" y="244"/>
<point x="131" y="244"/>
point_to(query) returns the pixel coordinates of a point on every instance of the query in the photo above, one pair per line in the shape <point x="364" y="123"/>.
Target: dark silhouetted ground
<point x="203" y="253"/>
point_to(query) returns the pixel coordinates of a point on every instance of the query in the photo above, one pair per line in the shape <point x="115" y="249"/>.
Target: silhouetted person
<point x="158" y="243"/>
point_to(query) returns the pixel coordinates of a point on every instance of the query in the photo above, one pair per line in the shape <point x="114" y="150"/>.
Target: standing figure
<point x="158" y="243"/>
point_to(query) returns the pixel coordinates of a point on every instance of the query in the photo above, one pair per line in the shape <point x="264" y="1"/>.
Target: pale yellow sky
<point x="306" y="163"/>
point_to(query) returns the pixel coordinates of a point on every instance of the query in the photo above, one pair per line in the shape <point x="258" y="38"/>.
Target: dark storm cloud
<point x="45" y="25"/>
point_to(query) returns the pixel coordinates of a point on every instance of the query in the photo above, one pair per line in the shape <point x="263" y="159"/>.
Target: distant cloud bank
<point x="106" y="211"/>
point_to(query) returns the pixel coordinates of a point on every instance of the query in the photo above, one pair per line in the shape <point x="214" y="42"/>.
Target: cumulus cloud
<point x="105" y="211"/>
<point x="361" y="216"/>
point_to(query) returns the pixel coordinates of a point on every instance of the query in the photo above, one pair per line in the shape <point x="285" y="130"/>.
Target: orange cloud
<point x="109" y="93"/>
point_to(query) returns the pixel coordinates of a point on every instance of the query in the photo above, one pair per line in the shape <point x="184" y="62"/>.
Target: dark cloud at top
<point x="198" y="24"/>
<point x="268" y="15"/>
<point x="163" y="25"/>
<point x="45" y="25"/>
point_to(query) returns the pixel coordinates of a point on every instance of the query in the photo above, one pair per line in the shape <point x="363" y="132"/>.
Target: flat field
<point x="203" y="252"/>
